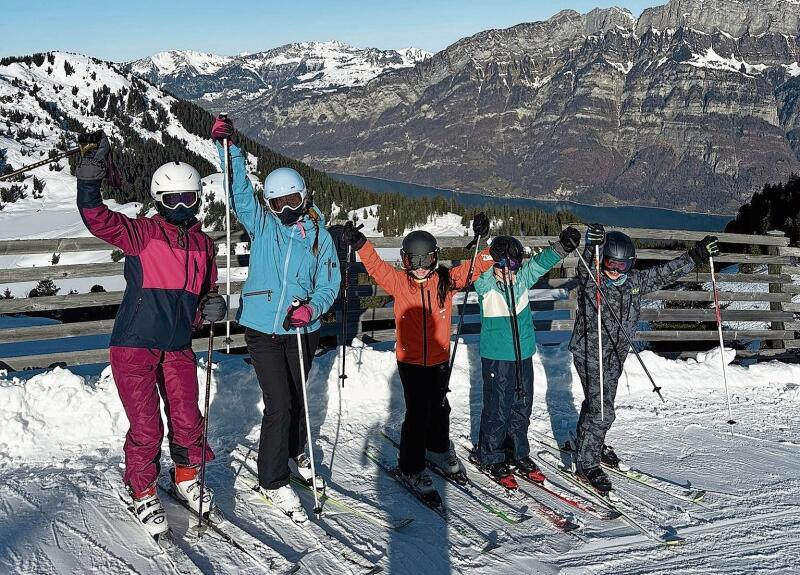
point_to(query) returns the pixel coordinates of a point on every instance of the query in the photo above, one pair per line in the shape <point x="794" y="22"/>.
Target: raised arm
<point x="385" y="275"/>
<point x="129" y="235"/>
<point x="459" y="275"/>
<point x="544" y="261"/>
<point x="656" y="277"/>
<point x="243" y="199"/>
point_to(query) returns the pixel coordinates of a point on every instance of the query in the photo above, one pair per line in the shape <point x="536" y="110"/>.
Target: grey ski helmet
<point x="419" y="251"/>
<point x="619" y="253"/>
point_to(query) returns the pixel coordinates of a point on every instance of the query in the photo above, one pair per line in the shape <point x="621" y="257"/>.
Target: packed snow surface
<point x="61" y="446"/>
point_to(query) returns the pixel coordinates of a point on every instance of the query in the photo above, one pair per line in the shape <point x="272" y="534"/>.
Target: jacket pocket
<point x="266" y="292"/>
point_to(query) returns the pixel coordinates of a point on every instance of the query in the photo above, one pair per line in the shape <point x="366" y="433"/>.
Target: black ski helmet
<point x="419" y="251"/>
<point x="507" y="252"/>
<point x="619" y="248"/>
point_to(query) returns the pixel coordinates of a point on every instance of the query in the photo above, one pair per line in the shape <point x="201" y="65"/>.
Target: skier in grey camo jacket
<point x="623" y="288"/>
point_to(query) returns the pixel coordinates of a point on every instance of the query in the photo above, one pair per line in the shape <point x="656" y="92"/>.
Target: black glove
<point x="705" y="248"/>
<point x="480" y="225"/>
<point x="595" y="235"/>
<point x="569" y="239"/>
<point x="351" y="236"/>
<point x="95" y="148"/>
<point x="213" y="308"/>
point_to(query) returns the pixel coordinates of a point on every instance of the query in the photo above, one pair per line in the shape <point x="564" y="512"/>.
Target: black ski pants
<point x="427" y="421"/>
<point x="283" y="425"/>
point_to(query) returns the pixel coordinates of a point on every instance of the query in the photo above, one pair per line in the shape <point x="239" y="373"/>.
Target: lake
<point x="626" y="217"/>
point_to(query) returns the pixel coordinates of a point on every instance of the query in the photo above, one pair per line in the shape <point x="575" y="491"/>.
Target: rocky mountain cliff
<point x="694" y="105"/>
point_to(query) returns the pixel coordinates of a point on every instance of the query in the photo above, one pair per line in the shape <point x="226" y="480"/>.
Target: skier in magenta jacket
<point x="171" y="277"/>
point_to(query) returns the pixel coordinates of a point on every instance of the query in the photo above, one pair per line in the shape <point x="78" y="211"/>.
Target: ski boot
<point x="287" y="501"/>
<point x="300" y="467"/>
<point x="186" y="485"/>
<point x="150" y="513"/>
<point x="448" y="464"/>
<point x="597" y="478"/>
<point x="527" y="468"/>
<point x="498" y="472"/>
<point x="611" y="459"/>
<point x="502" y="474"/>
<point x="422" y="484"/>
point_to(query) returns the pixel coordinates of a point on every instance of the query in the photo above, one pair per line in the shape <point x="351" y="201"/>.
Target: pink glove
<point x="222" y="128"/>
<point x="300" y="316"/>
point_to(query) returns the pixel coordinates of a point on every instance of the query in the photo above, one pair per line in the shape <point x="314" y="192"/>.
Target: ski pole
<point x="512" y="309"/>
<point x="317" y="507"/>
<point x="656" y="389"/>
<point x="226" y="189"/>
<point x="200" y="528"/>
<point x="721" y="344"/>
<point x="30" y="167"/>
<point x="477" y="241"/>
<point x="599" y="330"/>
<point x="343" y="375"/>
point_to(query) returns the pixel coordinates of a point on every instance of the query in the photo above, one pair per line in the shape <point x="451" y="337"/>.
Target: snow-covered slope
<point x="62" y="435"/>
<point x="42" y="108"/>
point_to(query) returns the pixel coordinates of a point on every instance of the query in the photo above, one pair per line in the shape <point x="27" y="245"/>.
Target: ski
<point x="553" y="491"/>
<point x="259" y="552"/>
<point x="664" y="486"/>
<point x="317" y="528"/>
<point x="468" y="488"/>
<point x="461" y="525"/>
<point x="338" y="501"/>
<point x="611" y="500"/>
<point x="180" y="562"/>
<point x="550" y="514"/>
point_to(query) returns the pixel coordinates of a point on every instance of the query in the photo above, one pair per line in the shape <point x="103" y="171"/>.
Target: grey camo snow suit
<point x="626" y="301"/>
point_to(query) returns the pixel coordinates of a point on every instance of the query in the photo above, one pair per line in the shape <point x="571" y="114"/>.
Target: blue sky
<point x="122" y="30"/>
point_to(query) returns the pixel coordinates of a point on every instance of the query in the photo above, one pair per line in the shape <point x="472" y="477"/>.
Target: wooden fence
<point x="775" y="334"/>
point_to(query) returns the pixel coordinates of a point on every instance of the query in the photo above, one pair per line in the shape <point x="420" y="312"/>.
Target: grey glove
<point x="92" y="163"/>
<point x="213" y="308"/>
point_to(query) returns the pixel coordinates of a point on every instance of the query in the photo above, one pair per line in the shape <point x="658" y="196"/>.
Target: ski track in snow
<point x="62" y="437"/>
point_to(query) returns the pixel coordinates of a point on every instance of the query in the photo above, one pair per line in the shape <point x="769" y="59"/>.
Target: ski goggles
<point x="288" y="202"/>
<point x="416" y="262"/>
<point x="511" y="264"/>
<point x="621" y="266"/>
<point x="173" y="200"/>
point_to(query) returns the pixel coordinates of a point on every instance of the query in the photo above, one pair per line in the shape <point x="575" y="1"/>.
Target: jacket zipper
<point x="278" y="319"/>
<point x="424" y="329"/>
<point x="268" y="292"/>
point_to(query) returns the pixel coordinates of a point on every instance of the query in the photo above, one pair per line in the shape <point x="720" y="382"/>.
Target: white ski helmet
<point x="282" y="183"/>
<point x="174" y="177"/>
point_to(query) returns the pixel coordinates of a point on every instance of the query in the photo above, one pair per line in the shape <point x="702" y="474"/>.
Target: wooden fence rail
<point x="763" y="299"/>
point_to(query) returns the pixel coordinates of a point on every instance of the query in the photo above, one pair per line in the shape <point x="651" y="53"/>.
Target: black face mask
<point x="289" y="217"/>
<point x="179" y="216"/>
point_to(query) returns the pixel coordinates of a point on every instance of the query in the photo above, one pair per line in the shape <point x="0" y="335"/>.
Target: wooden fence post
<point x="775" y="288"/>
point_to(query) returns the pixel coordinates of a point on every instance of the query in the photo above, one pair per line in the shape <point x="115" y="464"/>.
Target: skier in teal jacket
<point x="292" y="259"/>
<point x="503" y="448"/>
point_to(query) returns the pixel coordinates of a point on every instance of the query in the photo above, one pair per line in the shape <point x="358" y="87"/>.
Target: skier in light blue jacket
<point x="292" y="258"/>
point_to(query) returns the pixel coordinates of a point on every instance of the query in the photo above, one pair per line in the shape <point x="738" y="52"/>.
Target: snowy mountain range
<point x="694" y="105"/>
<point x="300" y="69"/>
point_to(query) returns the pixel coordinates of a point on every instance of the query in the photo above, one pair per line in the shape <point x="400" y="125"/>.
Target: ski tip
<point x="731" y="422"/>
<point x="673" y="540"/>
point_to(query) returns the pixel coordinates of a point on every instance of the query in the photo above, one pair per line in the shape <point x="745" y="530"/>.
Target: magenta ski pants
<point x="141" y="375"/>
